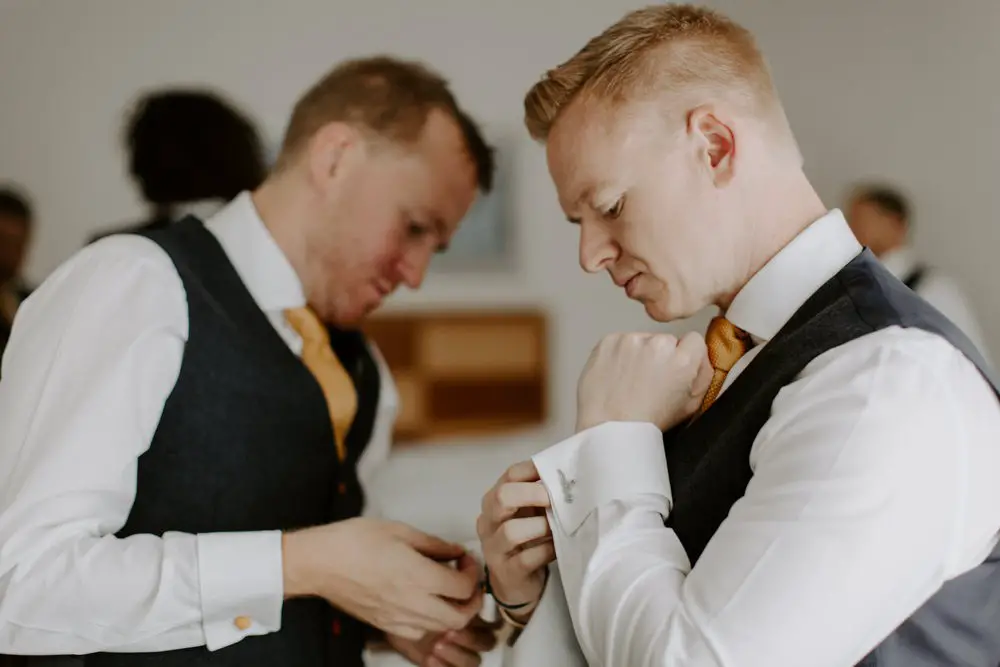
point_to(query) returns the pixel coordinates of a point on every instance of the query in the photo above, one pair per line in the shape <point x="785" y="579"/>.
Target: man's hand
<point x="643" y="377"/>
<point x="386" y="574"/>
<point x="461" y="648"/>
<point x="516" y="537"/>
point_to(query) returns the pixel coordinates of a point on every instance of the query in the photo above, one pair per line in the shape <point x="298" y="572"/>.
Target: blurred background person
<point x="16" y="220"/>
<point x="881" y="218"/>
<point x="189" y="151"/>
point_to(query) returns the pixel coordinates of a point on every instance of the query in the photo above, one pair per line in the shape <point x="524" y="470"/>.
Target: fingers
<point x="703" y="379"/>
<point x="468" y="564"/>
<point x="504" y="500"/>
<point x="446" y="581"/>
<point x="410" y="632"/>
<point x="453" y="655"/>
<point x="523" y="471"/>
<point x="692" y="348"/>
<point x="535" y="557"/>
<point x="428" y="545"/>
<point x="473" y="638"/>
<point x="442" y="615"/>
<point x="515" y="533"/>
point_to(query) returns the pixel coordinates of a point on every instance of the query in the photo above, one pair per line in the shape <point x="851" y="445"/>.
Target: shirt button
<point x="242" y="622"/>
<point x="341" y="488"/>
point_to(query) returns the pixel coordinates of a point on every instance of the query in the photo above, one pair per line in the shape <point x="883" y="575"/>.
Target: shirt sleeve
<point x="854" y="517"/>
<point x="93" y="355"/>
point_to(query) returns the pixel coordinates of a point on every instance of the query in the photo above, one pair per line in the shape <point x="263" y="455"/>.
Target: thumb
<point x="430" y="546"/>
<point x="703" y="379"/>
<point x="695" y="352"/>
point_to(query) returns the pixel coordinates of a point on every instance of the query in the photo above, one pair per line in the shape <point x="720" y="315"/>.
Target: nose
<point x="412" y="267"/>
<point x="597" y="249"/>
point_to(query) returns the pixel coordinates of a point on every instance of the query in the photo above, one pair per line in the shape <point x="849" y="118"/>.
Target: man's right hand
<point x="384" y="573"/>
<point x="516" y="538"/>
<point x="643" y="377"/>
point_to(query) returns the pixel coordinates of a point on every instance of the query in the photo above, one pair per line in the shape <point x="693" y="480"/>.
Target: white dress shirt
<point x="939" y="290"/>
<point x="874" y="482"/>
<point x="93" y="356"/>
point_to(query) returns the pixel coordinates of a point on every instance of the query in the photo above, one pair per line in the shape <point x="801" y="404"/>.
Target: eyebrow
<point x="584" y="195"/>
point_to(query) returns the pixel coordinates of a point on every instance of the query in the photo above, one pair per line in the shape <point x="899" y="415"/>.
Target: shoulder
<point x="895" y="369"/>
<point x="120" y="251"/>
<point x="129" y="228"/>
<point x="120" y="267"/>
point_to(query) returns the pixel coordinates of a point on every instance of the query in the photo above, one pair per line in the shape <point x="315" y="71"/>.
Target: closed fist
<point x="643" y="377"/>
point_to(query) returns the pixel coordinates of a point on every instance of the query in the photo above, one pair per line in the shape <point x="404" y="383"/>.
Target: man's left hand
<point x="460" y="648"/>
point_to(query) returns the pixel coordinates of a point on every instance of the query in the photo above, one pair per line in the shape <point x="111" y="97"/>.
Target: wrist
<point x="519" y="617"/>
<point x="519" y="602"/>
<point x="294" y="565"/>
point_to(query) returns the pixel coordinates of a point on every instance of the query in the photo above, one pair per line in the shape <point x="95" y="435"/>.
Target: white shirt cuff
<point x="613" y="461"/>
<point x="242" y="585"/>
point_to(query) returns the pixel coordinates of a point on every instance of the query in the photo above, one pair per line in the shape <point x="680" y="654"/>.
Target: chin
<point x="661" y="311"/>
<point x="353" y="318"/>
<point x="657" y="312"/>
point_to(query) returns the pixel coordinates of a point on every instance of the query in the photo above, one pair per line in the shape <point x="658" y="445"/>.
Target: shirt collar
<point x="779" y="289"/>
<point x="202" y="209"/>
<point x="259" y="262"/>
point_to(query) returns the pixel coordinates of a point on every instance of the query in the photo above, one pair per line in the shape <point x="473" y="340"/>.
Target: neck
<point x="778" y="212"/>
<point x="285" y="211"/>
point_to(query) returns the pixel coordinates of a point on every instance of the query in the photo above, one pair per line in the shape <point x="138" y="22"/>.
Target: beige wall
<point x="901" y="88"/>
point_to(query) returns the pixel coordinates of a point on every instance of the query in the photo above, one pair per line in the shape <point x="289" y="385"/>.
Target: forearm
<point x="143" y="593"/>
<point x="608" y="547"/>
<point x="630" y="608"/>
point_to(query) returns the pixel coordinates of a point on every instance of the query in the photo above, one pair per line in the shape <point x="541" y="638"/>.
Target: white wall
<point x="901" y="88"/>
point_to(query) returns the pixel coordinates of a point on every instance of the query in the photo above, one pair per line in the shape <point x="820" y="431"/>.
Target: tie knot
<point x="726" y="343"/>
<point x="307" y="324"/>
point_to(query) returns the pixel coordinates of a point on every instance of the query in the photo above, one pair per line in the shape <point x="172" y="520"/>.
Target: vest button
<point x="336" y="627"/>
<point x="342" y="488"/>
<point x="242" y="622"/>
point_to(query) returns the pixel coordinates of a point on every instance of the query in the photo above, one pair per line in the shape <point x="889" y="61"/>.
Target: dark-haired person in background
<point x="189" y="151"/>
<point x="16" y="219"/>
<point x="880" y="217"/>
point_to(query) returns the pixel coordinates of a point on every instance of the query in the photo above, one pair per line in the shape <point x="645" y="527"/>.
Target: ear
<point x="327" y="151"/>
<point x="716" y="141"/>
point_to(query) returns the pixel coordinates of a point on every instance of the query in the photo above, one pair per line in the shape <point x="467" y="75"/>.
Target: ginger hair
<point x="685" y="51"/>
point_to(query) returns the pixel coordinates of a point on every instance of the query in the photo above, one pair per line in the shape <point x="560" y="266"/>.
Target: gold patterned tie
<point x="726" y="344"/>
<point x="319" y="358"/>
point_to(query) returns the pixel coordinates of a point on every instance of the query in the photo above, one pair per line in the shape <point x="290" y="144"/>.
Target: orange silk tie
<point x="319" y="358"/>
<point x="726" y="344"/>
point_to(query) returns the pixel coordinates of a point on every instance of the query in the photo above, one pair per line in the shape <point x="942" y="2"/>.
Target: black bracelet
<point x="488" y="589"/>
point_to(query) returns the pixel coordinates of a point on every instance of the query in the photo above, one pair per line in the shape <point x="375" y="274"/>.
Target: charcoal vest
<point x="245" y="443"/>
<point x="709" y="459"/>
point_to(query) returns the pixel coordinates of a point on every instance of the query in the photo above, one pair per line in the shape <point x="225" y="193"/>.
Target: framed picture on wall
<point x="484" y="241"/>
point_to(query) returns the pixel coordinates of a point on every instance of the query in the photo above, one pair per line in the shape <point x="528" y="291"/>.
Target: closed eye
<point x="615" y="211"/>
<point x="417" y="230"/>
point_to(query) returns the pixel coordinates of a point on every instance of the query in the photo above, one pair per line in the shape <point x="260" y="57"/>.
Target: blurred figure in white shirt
<point x="880" y="217"/>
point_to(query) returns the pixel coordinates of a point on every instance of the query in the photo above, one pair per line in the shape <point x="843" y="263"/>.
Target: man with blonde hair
<point x="813" y="483"/>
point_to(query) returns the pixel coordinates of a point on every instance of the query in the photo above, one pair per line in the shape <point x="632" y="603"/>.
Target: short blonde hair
<point x="678" y="48"/>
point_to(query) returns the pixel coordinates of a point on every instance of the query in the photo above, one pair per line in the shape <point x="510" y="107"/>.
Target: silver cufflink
<point x="567" y="487"/>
